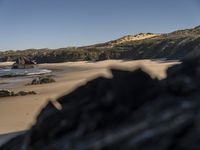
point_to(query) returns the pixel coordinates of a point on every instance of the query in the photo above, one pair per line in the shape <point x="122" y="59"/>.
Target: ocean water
<point x="23" y="72"/>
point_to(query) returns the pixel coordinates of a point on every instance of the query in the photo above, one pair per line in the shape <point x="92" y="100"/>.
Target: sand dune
<point x="18" y="113"/>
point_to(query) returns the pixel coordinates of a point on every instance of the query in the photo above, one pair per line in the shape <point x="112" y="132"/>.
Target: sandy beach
<point x="19" y="113"/>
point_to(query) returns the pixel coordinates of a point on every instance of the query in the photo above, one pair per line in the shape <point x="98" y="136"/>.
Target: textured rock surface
<point x="23" y="63"/>
<point x="129" y="111"/>
<point x="42" y="80"/>
<point x="8" y="93"/>
<point x="24" y="93"/>
<point x="5" y="92"/>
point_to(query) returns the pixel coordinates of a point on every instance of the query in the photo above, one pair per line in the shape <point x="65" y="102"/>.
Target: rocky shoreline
<point x="8" y="93"/>
<point x="129" y="111"/>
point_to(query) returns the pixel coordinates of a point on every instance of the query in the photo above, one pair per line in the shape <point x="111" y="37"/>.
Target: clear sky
<point x="61" y="23"/>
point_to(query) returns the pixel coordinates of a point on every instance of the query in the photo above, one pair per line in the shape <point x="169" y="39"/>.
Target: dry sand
<point x="18" y="113"/>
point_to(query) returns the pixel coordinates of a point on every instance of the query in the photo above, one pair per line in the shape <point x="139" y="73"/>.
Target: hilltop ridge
<point x="124" y="39"/>
<point x="175" y="45"/>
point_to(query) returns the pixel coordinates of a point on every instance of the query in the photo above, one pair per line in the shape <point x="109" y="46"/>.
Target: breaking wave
<point x="22" y="72"/>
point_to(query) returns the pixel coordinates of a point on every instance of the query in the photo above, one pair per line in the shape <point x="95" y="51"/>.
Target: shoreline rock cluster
<point x="9" y="93"/>
<point x="129" y="111"/>
<point x="23" y="63"/>
<point x="42" y="80"/>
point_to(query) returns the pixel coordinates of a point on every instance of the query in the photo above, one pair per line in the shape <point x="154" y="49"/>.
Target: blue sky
<point x="61" y="23"/>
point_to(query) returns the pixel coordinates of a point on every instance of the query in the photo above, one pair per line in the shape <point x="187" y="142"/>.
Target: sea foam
<point x="23" y="72"/>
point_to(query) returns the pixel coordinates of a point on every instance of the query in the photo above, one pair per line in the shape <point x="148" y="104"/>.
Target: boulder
<point x="42" y="80"/>
<point x="130" y="111"/>
<point x="23" y="63"/>
<point x="24" y="93"/>
<point x="5" y="93"/>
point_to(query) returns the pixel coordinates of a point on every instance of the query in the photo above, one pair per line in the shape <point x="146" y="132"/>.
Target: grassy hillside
<point x="175" y="45"/>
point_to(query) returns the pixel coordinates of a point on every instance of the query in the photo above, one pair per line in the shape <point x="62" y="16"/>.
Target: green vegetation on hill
<point x="175" y="45"/>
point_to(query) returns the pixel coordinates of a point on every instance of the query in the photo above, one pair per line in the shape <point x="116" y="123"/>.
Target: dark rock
<point x="23" y="63"/>
<point x="129" y="111"/>
<point x="183" y="79"/>
<point x="42" y="80"/>
<point x="24" y="93"/>
<point x="5" y="93"/>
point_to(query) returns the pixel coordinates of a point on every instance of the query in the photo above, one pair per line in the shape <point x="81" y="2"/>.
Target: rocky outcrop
<point x="5" y="93"/>
<point x="129" y="111"/>
<point x="23" y="63"/>
<point x="8" y="93"/>
<point x="42" y="80"/>
<point x="24" y="93"/>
